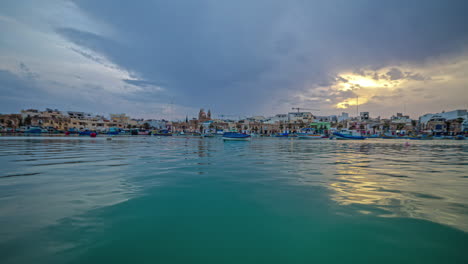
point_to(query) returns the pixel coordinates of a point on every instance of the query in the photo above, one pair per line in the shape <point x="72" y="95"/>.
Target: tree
<point x="146" y="125"/>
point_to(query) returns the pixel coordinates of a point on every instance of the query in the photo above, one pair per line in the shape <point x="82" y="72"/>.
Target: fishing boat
<point x="143" y="133"/>
<point x="423" y="137"/>
<point x="459" y="137"/>
<point x="209" y="135"/>
<point x="164" y="133"/>
<point x="113" y="131"/>
<point x="282" y="135"/>
<point x="235" y="136"/>
<point x="33" y="130"/>
<point x="86" y="133"/>
<point x="310" y="136"/>
<point x="348" y="135"/>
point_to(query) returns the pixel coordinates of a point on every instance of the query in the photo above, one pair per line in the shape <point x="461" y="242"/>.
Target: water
<point x="194" y="200"/>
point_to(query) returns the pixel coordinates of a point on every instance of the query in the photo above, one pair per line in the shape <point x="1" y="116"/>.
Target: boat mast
<point x="357" y="106"/>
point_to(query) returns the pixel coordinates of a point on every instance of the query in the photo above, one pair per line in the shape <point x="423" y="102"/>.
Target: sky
<point x="168" y="59"/>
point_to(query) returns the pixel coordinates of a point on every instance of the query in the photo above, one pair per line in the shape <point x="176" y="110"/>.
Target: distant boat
<point x="420" y="138"/>
<point x="209" y="135"/>
<point x="33" y="130"/>
<point x="282" y="135"/>
<point x="86" y="133"/>
<point x="143" y="133"/>
<point x="459" y="137"/>
<point x="339" y="135"/>
<point x="310" y="136"/>
<point x="164" y="133"/>
<point x="113" y="131"/>
<point x="235" y="136"/>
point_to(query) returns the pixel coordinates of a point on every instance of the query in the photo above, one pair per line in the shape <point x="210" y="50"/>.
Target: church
<point x="203" y="116"/>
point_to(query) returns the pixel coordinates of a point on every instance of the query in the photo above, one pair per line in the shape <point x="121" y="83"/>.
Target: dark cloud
<point x="200" y="49"/>
<point x="241" y="55"/>
<point x="395" y="74"/>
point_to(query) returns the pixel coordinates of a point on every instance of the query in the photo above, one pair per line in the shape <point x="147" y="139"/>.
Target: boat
<point x="282" y="135"/>
<point x="164" y="133"/>
<point x="209" y="135"/>
<point x="33" y="130"/>
<point x="420" y="138"/>
<point x="86" y="133"/>
<point x="235" y="136"/>
<point x="113" y="131"/>
<point x="347" y="135"/>
<point x="310" y="136"/>
<point x="143" y="133"/>
<point x="459" y="137"/>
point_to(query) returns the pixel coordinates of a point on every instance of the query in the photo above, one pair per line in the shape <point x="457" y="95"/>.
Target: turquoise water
<point x="195" y="200"/>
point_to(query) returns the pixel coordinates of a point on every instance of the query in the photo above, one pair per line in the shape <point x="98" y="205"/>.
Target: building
<point x="343" y="117"/>
<point x="300" y="117"/>
<point x="445" y="122"/>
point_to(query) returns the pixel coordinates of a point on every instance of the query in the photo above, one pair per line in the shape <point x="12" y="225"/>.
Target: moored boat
<point x="164" y="133"/>
<point x="33" y="130"/>
<point x="235" y="136"/>
<point x="309" y="136"/>
<point x="86" y="133"/>
<point x="339" y="135"/>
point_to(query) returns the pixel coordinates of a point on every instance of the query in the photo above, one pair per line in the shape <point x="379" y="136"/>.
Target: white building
<point x="305" y="117"/>
<point x="343" y="117"/>
<point x="461" y="113"/>
<point x="277" y="119"/>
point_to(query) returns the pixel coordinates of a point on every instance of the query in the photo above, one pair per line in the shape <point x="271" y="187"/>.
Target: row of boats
<point x="342" y="135"/>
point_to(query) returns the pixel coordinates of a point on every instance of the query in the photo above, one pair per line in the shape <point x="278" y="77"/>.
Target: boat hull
<point x="236" y="139"/>
<point x="340" y="136"/>
<point x="235" y="136"/>
<point x="310" y="136"/>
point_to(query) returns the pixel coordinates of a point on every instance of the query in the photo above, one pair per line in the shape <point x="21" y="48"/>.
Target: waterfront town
<point x="54" y="121"/>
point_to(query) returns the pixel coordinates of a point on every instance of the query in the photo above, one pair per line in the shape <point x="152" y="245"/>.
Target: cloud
<point x="395" y="74"/>
<point x="240" y="57"/>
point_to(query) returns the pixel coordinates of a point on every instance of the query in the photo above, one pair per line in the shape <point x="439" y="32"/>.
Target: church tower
<point x="209" y="114"/>
<point x="202" y="115"/>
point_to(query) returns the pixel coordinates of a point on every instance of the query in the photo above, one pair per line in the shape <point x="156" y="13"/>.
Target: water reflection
<point x="393" y="181"/>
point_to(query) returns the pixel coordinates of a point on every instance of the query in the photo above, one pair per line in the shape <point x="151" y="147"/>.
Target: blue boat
<point x="33" y="130"/>
<point x="235" y="136"/>
<point x="283" y="135"/>
<point x="339" y="135"/>
<point x="113" y="131"/>
<point x="86" y="133"/>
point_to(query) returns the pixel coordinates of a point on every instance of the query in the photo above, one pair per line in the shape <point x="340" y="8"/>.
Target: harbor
<point x="136" y="198"/>
<point x="452" y="125"/>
